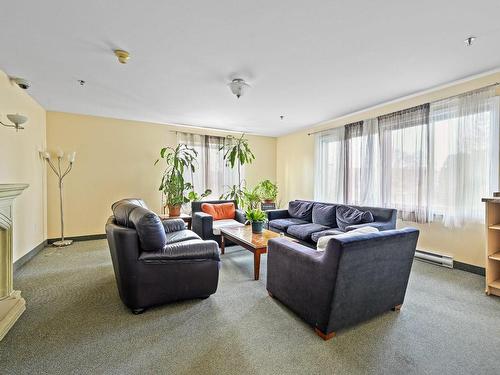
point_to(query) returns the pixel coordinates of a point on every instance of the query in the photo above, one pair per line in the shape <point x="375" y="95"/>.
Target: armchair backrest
<point x="196" y="206"/>
<point x="147" y="224"/>
<point x="372" y="272"/>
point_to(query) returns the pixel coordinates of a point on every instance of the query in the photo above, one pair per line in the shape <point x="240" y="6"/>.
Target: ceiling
<point x="307" y="60"/>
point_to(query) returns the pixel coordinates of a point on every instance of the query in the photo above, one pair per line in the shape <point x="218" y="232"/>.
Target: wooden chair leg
<point x="270" y="294"/>
<point x="323" y="335"/>
<point x="397" y="308"/>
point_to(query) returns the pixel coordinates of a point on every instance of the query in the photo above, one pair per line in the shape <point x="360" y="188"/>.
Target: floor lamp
<point x="60" y="175"/>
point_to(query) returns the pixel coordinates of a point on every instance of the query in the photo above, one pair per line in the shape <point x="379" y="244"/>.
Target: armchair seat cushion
<point x="181" y="235"/>
<point x="329" y="232"/>
<point x="195" y="249"/>
<point x="304" y="231"/>
<point x="218" y="224"/>
<point x="283" y="224"/>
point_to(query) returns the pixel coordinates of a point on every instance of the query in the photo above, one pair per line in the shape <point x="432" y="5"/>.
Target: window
<point x="465" y="155"/>
<point x="431" y="162"/>
<point x="211" y="169"/>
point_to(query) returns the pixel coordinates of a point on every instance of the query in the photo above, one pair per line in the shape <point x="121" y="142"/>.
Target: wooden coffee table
<point x="256" y="243"/>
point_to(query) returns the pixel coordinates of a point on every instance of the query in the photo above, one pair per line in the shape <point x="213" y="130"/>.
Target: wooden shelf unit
<point x="492" y="245"/>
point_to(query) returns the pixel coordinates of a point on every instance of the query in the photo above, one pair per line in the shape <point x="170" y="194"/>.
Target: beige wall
<point x="295" y="174"/>
<point x="115" y="160"/>
<point x="20" y="163"/>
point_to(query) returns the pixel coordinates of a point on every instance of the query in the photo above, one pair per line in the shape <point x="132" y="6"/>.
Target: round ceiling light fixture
<point x="238" y="86"/>
<point x="123" y="56"/>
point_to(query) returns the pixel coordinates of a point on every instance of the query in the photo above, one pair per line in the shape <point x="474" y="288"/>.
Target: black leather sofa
<point x="157" y="262"/>
<point x="357" y="277"/>
<point x="307" y="221"/>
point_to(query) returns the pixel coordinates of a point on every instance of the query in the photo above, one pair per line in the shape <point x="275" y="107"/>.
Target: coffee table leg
<point x="222" y="245"/>
<point x="256" y="264"/>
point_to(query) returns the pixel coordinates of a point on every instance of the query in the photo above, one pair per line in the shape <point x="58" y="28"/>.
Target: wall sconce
<point x="17" y="121"/>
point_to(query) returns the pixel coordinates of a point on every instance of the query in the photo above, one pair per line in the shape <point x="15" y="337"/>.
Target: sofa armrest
<point x="277" y="214"/>
<point x="184" y="250"/>
<point x="240" y="216"/>
<point x="202" y="224"/>
<point x="380" y="225"/>
<point x="302" y="278"/>
<point x="173" y="225"/>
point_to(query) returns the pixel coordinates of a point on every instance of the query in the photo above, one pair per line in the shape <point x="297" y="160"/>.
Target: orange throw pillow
<point x="219" y="211"/>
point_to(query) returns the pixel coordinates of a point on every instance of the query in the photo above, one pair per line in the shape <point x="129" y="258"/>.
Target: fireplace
<point x="12" y="305"/>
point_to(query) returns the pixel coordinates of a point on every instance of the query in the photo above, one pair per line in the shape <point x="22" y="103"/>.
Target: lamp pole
<point x="60" y="175"/>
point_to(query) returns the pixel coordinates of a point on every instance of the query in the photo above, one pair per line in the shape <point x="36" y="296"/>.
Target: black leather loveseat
<point x="307" y="221"/>
<point x="156" y="261"/>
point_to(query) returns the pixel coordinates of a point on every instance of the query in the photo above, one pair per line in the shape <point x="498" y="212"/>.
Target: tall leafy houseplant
<point x="177" y="160"/>
<point x="237" y="154"/>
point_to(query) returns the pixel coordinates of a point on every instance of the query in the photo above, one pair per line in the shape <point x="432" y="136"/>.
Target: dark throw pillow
<point x="347" y="215"/>
<point x="300" y="210"/>
<point x="324" y="214"/>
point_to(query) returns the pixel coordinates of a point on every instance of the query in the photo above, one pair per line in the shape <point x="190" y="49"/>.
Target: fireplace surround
<point x="12" y="305"/>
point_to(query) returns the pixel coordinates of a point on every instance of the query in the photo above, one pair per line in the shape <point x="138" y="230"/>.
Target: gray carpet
<point x="76" y="324"/>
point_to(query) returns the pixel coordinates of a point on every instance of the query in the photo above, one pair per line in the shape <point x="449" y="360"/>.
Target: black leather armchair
<point x="202" y="223"/>
<point x="156" y="261"/>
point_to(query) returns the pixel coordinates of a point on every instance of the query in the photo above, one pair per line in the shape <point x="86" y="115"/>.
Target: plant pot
<point x="257" y="226"/>
<point x="174" y="210"/>
<point x="268" y="201"/>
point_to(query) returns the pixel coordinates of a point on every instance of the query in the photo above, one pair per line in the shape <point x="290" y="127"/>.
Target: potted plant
<point x="268" y="191"/>
<point x="173" y="185"/>
<point x="237" y="154"/>
<point x="257" y="218"/>
<point x="193" y="196"/>
<point x="251" y="198"/>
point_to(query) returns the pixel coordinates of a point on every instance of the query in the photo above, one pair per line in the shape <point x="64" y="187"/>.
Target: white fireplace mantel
<point x="12" y="305"/>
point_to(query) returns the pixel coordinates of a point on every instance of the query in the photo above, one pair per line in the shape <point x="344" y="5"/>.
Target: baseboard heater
<point x="438" y="259"/>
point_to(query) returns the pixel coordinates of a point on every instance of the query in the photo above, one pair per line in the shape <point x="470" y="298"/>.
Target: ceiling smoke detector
<point x="469" y="41"/>
<point x="238" y="86"/>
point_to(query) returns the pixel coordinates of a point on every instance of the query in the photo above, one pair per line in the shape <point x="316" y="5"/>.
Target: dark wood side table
<point x="187" y="218"/>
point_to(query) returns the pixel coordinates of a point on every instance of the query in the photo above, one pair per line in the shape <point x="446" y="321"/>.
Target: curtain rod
<point x="333" y="127"/>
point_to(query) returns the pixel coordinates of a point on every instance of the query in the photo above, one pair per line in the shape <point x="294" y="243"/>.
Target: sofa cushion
<point x="149" y="228"/>
<point x="181" y="235"/>
<point x="304" y="231"/>
<point x="220" y="211"/>
<point x="283" y="224"/>
<point x="329" y="232"/>
<point x="347" y="215"/>
<point x="218" y="224"/>
<point x="301" y="210"/>
<point x="324" y="214"/>
<point x="323" y="241"/>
